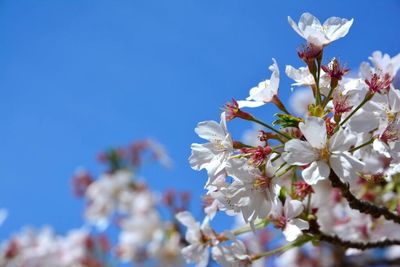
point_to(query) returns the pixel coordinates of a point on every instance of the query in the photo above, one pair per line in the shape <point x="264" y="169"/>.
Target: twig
<point x="361" y="205"/>
<point x="335" y="240"/>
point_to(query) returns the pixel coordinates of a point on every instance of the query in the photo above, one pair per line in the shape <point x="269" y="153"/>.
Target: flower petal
<point x="337" y="28"/>
<point x="210" y="130"/>
<point x="202" y="156"/>
<point x="345" y="166"/>
<point x="293" y="208"/>
<point x="186" y="219"/>
<point x="249" y="104"/>
<point x="308" y="20"/>
<point x="291" y="232"/>
<point x="318" y="170"/>
<point x="342" y="140"/>
<point x="314" y="130"/>
<point x="298" y="152"/>
<point x="301" y="224"/>
<point x="294" y="26"/>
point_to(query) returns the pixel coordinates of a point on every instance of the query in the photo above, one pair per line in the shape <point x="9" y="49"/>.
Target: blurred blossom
<point x="300" y="100"/>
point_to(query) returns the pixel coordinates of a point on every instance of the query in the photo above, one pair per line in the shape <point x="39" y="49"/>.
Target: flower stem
<point x="317" y="79"/>
<point x="333" y="87"/>
<point x="247" y="228"/>
<point x="270" y="127"/>
<point x="279" y="104"/>
<point x="361" y="146"/>
<point x="353" y="112"/>
<point x="297" y="243"/>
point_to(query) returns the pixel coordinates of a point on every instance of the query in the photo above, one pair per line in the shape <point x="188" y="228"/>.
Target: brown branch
<point x="360" y="205"/>
<point x="335" y="240"/>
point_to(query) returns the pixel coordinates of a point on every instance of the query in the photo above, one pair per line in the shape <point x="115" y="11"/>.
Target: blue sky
<point x="77" y="77"/>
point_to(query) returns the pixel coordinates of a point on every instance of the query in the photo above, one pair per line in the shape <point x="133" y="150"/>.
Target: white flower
<point x="301" y="76"/>
<point x="44" y="248"/>
<point x="226" y="194"/>
<point x="212" y="156"/>
<point x="166" y="248"/>
<point x="253" y="192"/>
<point x="103" y="194"/>
<point x="300" y="100"/>
<point x="265" y="91"/>
<point x="200" y="237"/>
<point x="233" y="255"/>
<point x="211" y="209"/>
<point x="137" y="231"/>
<point x="381" y="63"/>
<point x="136" y="201"/>
<point x="322" y="153"/>
<point x="285" y="218"/>
<point x="310" y="28"/>
<point x="350" y="224"/>
<point x="73" y="247"/>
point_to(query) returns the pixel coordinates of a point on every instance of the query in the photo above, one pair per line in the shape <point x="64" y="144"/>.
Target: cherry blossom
<point x="310" y="28"/>
<point x="212" y="156"/>
<point x="285" y="217"/>
<point x="200" y="237"/>
<point x="322" y="153"/>
<point x="265" y="91"/>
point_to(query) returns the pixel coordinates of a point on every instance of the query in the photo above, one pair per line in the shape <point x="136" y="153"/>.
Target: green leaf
<point x="286" y="120"/>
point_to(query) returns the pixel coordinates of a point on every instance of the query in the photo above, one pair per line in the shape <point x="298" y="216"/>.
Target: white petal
<point x="312" y="30"/>
<point x="314" y="130"/>
<point x="308" y="20"/>
<point x="293" y="208"/>
<point x="337" y="27"/>
<point x="262" y="93"/>
<point x="300" y="100"/>
<point x="302" y="75"/>
<point x="204" y="258"/>
<point x="186" y="219"/>
<point x="202" y="156"/>
<point x="291" y="232"/>
<point x="301" y="224"/>
<point x="298" y="152"/>
<point x="240" y="170"/>
<point x="210" y="130"/>
<point x="318" y="170"/>
<point x="250" y="104"/>
<point x="394" y="99"/>
<point x="345" y="166"/>
<point x="342" y="141"/>
<point x="294" y="26"/>
<point x="381" y="148"/>
<point x="274" y="81"/>
<point x="363" y="121"/>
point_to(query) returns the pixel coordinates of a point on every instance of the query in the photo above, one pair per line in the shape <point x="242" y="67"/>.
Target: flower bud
<point x="233" y="111"/>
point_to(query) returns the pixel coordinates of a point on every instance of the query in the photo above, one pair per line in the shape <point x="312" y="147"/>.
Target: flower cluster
<point x="329" y="172"/>
<point x="119" y="195"/>
<point x="316" y="185"/>
<point x="118" y="202"/>
<point x="43" y="248"/>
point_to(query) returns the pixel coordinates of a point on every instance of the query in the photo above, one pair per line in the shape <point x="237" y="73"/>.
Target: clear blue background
<point x="77" y="77"/>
